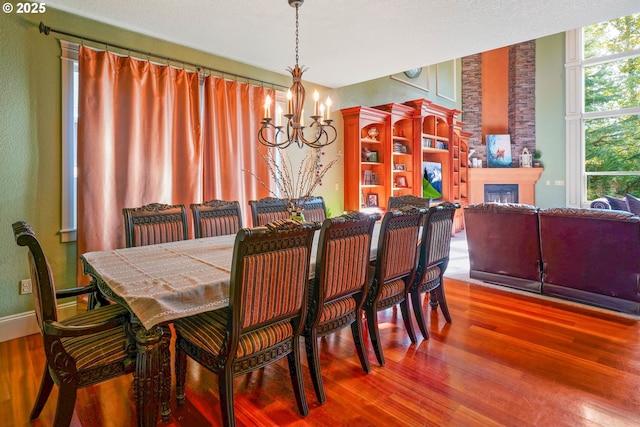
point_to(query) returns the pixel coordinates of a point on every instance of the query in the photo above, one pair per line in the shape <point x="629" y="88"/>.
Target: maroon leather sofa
<point x="586" y="255"/>
<point x="504" y="246"/>
<point x="592" y="256"/>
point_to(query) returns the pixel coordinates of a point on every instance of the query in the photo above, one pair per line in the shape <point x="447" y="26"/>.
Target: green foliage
<point x="611" y="143"/>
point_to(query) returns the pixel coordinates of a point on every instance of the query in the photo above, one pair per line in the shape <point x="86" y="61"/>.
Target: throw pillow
<point x="634" y="204"/>
<point x="618" y="204"/>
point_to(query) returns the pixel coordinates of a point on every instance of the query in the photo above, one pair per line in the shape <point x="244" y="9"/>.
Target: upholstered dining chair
<point x="267" y="210"/>
<point x="432" y="262"/>
<point x="265" y="316"/>
<point x="393" y="271"/>
<point x="82" y="350"/>
<point x="408" y="200"/>
<point x="338" y="288"/>
<point x="155" y="223"/>
<point x="315" y="209"/>
<point x="216" y="218"/>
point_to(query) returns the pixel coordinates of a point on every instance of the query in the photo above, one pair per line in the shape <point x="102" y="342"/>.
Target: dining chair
<point x="265" y="316"/>
<point x="216" y="218"/>
<point x="315" y="209"/>
<point x="338" y="288"/>
<point x="82" y="350"/>
<point x="393" y="271"/>
<point x="155" y="223"/>
<point x="267" y="210"/>
<point x="433" y="259"/>
<point x="408" y="200"/>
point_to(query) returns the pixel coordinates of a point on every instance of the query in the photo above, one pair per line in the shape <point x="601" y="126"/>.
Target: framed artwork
<point x="372" y="199"/>
<point x="401" y="181"/>
<point x="373" y="156"/>
<point x="499" y="151"/>
<point x="432" y="180"/>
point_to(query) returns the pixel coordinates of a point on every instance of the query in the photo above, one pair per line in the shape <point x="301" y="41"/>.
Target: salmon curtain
<point x="231" y="120"/>
<point x="138" y="142"/>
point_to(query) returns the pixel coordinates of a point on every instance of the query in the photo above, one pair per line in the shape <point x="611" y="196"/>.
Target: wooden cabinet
<point x="403" y="179"/>
<point x="367" y="158"/>
<point x="411" y="141"/>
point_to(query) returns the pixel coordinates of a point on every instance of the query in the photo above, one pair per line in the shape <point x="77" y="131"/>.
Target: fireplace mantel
<point x="526" y="179"/>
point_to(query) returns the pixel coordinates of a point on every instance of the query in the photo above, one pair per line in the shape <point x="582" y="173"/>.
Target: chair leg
<point x="295" y="371"/>
<point x="181" y="373"/>
<point x="313" y="359"/>
<point x="374" y="333"/>
<point x="406" y="317"/>
<point x="65" y="406"/>
<point x="442" y="301"/>
<point x="225" y="389"/>
<point x="358" y="340"/>
<point x="416" y="302"/>
<point x="46" y="384"/>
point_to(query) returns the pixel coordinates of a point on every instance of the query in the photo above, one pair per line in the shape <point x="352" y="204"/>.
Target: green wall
<point x="30" y="129"/>
<point x="550" y="126"/>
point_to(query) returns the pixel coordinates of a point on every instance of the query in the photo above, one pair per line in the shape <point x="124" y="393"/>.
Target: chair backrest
<point x="436" y="236"/>
<point x="267" y="210"/>
<point x="155" y="223"/>
<point x="398" y="243"/>
<point x="269" y="275"/>
<point x="343" y="255"/>
<point x="216" y="218"/>
<point x="408" y="200"/>
<point x="315" y="209"/>
<point x="44" y="292"/>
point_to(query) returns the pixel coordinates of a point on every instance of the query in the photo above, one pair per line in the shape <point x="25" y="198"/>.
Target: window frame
<point x="576" y="116"/>
<point x="69" y="61"/>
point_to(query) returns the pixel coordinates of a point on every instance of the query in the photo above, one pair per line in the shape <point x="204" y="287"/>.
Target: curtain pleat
<point x="231" y="119"/>
<point x="138" y="142"/>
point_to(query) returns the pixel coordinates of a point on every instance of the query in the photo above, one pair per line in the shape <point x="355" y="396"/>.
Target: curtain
<point x="138" y="142"/>
<point x="231" y="120"/>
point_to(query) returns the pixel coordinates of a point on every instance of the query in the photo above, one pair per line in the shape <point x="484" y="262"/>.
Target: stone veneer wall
<point x="522" y="98"/>
<point x="521" y="120"/>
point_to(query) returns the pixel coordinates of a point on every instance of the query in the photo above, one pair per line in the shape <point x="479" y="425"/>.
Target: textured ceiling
<point x="348" y="41"/>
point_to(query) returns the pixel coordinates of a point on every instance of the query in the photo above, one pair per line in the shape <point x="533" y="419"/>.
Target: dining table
<point x="158" y="284"/>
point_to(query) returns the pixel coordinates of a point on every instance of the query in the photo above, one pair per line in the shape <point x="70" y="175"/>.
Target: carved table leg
<point x="148" y="376"/>
<point x="165" y="398"/>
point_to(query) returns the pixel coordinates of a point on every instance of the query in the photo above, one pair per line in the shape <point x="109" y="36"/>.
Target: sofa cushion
<point x="634" y="204"/>
<point x="618" y="204"/>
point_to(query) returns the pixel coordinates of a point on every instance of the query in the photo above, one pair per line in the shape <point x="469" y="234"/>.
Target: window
<point x="69" y="140"/>
<point x="603" y="81"/>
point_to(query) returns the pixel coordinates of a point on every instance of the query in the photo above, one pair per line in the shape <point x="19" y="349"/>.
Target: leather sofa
<point x="585" y="255"/>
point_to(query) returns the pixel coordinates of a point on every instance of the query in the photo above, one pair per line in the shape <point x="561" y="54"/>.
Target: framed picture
<point x="499" y="151"/>
<point x="372" y="199"/>
<point x="401" y="181"/>
<point x="373" y="156"/>
<point x="432" y="180"/>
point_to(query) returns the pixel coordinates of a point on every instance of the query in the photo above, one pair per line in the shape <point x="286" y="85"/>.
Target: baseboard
<point x="23" y="324"/>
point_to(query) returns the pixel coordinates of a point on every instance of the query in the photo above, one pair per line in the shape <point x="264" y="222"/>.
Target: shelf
<point x="401" y="154"/>
<point x="370" y="141"/>
<point x="434" y="150"/>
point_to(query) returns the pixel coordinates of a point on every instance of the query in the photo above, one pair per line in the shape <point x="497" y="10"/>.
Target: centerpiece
<point x="296" y="188"/>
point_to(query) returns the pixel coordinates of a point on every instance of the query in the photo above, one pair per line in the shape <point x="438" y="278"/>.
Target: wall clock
<point x="413" y="73"/>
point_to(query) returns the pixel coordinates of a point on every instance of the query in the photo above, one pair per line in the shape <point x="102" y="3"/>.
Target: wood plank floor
<point x="506" y="360"/>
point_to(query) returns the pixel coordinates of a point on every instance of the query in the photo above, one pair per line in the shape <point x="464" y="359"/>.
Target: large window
<point x="611" y="110"/>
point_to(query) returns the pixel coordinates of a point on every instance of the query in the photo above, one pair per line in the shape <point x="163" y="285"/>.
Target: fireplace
<point x="523" y="178"/>
<point x="501" y="193"/>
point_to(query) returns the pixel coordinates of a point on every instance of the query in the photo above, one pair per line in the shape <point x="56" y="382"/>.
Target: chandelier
<point x="320" y="132"/>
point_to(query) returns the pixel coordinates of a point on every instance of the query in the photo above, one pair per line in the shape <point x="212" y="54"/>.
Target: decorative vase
<point x="295" y="208"/>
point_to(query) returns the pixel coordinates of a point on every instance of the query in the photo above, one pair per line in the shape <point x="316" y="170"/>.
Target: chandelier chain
<point x="297" y="39"/>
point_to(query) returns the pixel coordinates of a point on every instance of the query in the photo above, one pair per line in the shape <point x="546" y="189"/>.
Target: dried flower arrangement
<point x="296" y="188"/>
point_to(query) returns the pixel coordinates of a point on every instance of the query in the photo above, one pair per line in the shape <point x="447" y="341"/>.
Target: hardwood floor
<point x="506" y="360"/>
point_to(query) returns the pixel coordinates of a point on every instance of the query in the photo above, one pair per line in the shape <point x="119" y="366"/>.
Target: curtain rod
<point x="199" y="68"/>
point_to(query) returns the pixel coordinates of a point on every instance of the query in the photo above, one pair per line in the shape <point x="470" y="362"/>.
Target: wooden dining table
<point x="158" y="284"/>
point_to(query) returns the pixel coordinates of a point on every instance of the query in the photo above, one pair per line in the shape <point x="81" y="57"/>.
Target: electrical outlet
<point x="25" y="286"/>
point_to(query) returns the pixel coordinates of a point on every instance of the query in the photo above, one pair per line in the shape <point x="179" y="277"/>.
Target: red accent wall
<point x="495" y="92"/>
